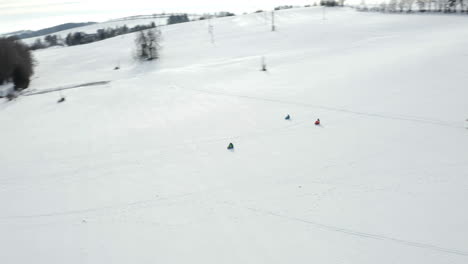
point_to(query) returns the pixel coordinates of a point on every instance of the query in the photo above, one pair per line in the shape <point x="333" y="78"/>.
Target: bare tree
<point x="409" y="4"/>
<point x="451" y="6"/>
<point x="153" y="43"/>
<point x="147" y="43"/>
<point x="392" y="6"/>
<point x="38" y="44"/>
<point x="421" y="5"/>
<point x="52" y="40"/>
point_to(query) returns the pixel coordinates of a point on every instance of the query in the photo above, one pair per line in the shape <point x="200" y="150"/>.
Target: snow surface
<point x="137" y="170"/>
<point x="6" y="88"/>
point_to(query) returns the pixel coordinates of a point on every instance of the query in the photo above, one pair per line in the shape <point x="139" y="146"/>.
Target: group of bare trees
<point x="147" y="44"/>
<point x="49" y="41"/>
<point x="445" y="6"/>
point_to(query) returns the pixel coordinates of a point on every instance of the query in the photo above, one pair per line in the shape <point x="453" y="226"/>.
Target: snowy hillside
<point x="136" y="170"/>
<point x="104" y="25"/>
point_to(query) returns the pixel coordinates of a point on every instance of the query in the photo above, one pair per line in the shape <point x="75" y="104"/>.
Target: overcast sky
<point x="36" y="14"/>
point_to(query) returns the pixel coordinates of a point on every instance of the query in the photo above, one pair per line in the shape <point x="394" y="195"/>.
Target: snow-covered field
<point x="137" y="170"/>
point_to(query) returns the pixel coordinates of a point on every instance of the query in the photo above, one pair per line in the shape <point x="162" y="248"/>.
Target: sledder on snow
<point x="287" y="117"/>
<point x="317" y="123"/>
<point x="231" y="146"/>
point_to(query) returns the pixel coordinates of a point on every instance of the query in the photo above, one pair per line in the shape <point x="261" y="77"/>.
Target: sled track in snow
<point x="371" y="236"/>
<point x="350" y="231"/>
<point x="134" y="204"/>
<point x="51" y="90"/>
<point x="334" y="109"/>
<point x="5" y="182"/>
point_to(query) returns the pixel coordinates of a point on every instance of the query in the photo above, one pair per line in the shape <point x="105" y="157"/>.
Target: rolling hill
<point x="133" y="166"/>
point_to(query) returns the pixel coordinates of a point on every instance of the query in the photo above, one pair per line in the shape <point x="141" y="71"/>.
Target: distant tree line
<point x="224" y="14"/>
<point x="49" y="41"/>
<point x="16" y="63"/>
<point x="408" y="6"/>
<point x="283" y="7"/>
<point x="48" y="31"/>
<point x="79" y="38"/>
<point x="332" y="3"/>
<point x="175" y="19"/>
<point x="218" y="14"/>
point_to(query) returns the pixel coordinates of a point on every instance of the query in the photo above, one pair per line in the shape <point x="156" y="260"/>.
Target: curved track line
<point x="334" y="109"/>
<point x="102" y="208"/>
<point x="355" y="233"/>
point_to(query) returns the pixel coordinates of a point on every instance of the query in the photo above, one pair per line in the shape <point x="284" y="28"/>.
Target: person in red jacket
<point x="317" y="122"/>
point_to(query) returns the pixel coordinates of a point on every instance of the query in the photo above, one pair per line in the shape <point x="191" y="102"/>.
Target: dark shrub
<point x="16" y="63"/>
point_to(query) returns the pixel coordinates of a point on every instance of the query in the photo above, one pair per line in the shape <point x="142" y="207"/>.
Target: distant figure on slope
<point x="287" y="117"/>
<point x="317" y="123"/>
<point x="62" y="98"/>
<point x="231" y="146"/>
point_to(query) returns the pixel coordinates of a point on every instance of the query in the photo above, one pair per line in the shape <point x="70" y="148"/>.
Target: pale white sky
<point x="36" y="14"/>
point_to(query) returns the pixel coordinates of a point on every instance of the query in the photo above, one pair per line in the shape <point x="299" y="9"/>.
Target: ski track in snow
<point x="334" y="109"/>
<point x="322" y="226"/>
<point x="102" y="208"/>
<point x="51" y="90"/>
<point x="5" y="182"/>
<point x="353" y="232"/>
<point x="151" y="203"/>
